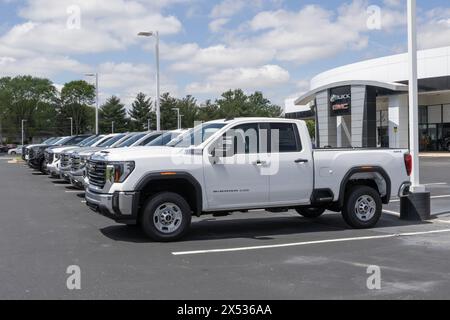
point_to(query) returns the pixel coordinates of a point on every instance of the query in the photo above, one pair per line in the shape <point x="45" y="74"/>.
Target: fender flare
<point x="365" y="169"/>
<point x="149" y="177"/>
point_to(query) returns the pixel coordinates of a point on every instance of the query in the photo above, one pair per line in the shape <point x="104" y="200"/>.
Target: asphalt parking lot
<point x="45" y="227"/>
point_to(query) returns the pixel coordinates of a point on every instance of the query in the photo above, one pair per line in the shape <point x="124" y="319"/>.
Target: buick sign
<point x="340" y="101"/>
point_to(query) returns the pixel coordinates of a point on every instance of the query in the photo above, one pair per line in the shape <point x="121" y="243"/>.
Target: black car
<point x="36" y="155"/>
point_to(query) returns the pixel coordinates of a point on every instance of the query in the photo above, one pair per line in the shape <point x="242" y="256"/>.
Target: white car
<point x="242" y="164"/>
<point x="15" y="151"/>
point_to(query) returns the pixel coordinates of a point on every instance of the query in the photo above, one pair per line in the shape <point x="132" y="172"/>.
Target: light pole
<point x="157" y="100"/>
<point x="112" y="126"/>
<point x="96" y="98"/>
<point x="178" y="117"/>
<point x="148" y="124"/>
<point x="23" y="121"/>
<point x="416" y="204"/>
<point x="71" y="125"/>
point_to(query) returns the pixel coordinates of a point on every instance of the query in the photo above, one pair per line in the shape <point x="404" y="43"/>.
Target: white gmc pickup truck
<point x="240" y="164"/>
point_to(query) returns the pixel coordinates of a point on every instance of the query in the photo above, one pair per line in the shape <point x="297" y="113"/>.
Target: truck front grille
<point x="48" y="157"/>
<point x="65" y="160"/>
<point x="97" y="173"/>
<point x="75" y="163"/>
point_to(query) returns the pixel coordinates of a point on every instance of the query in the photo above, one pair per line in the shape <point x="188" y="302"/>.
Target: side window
<point x="242" y="139"/>
<point x="288" y="139"/>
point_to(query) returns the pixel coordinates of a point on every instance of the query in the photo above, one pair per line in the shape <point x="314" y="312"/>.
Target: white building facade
<point x="365" y="104"/>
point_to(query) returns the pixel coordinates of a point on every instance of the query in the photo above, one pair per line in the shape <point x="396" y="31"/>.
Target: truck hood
<point x="86" y="151"/>
<point x="62" y="149"/>
<point x="136" y="153"/>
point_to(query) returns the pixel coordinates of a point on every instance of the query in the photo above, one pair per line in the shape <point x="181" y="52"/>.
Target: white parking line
<point x="436" y="184"/>
<point x="433" y="197"/>
<point x="83" y="201"/>
<point x="295" y="244"/>
<point x="397" y="214"/>
<point x="74" y="191"/>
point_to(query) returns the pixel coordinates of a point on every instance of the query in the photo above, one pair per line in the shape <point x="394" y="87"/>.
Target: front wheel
<point x="166" y="217"/>
<point x="310" y="213"/>
<point x="362" y="207"/>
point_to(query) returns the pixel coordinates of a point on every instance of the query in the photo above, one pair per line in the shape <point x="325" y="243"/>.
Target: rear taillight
<point x="408" y="163"/>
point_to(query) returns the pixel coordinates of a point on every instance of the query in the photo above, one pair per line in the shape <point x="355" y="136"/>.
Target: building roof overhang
<point x="391" y="86"/>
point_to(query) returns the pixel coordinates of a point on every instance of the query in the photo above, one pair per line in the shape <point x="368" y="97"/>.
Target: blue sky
<point x="207" y="47"/>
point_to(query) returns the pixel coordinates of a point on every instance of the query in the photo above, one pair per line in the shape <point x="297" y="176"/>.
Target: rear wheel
<point x="310" y="213"/>
<point x="166" y="217"/>
<point x="362" y="207"/>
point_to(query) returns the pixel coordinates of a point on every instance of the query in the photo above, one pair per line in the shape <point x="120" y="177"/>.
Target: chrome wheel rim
<point x="365" y="208"/>
<point x="167" y="217"/>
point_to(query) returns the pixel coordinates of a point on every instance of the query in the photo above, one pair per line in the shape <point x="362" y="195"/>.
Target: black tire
<point x="149" y="222"/>
<point x="362" y="207"/>
<point x="310" y="213"/>
<point x="42" y="167"/>
<point x="13" y="153"/>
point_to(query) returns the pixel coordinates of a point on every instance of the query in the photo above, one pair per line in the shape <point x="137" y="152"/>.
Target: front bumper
<point x="35" y="162"/>
<point x="121" y="207"/>
<point x="53" y="169"/>
<point x="65" y="173"/>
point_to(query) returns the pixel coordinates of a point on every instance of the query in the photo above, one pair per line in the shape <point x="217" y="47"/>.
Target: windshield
<point x="148" y="138"/>
<point x="163" y="139"/>
<point x="196" y="136"/>
<point x="49" y="140"/>
<point x="131" y="140"/>
<point x="111" y="141"/>
<point x="91" y="142"/>
<point x="73" y="141"/>
<point x="86" y="141"/>
<point x="61" y="140"/>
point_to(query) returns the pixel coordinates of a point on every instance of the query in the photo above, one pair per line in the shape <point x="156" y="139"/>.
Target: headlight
<point x="117" y="172"/>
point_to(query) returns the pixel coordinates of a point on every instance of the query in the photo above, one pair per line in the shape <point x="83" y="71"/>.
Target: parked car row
<point x="9" y="148"/>
<point x="159" y="180"/>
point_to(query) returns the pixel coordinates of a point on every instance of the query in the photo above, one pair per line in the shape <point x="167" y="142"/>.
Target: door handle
<point x="301" y="161"/>
<point x="259" y="163"/>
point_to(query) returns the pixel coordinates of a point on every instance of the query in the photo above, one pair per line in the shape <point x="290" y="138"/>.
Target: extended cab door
<point x="292" y="182"/>
<point x="232" y="170"/>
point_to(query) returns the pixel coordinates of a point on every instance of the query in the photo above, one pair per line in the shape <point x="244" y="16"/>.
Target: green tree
<point x="113" y="110"/>
<point x="232" y="104"/>
<point x="75" y="101"/>
<point x="235" y="103"/>
<point x="208" y="111"/>
<point x="168" y="115"/>
<point x="24" y="97"/>
<point x="141" y="111"/>
<point x="189" y="111"/>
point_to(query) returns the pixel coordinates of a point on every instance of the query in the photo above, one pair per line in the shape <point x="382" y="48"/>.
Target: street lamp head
<point x="146" y="33"/>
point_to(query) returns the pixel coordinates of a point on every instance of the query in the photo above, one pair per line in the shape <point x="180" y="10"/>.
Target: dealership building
<point x="365" y="104"/>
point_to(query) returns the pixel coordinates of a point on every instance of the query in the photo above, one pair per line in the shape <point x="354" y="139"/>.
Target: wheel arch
<point x="372" y="176"/>
<point x="175" y="182"/>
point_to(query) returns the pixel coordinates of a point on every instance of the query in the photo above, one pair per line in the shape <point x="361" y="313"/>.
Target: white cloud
<point x="244" y="78"/>
<point x="39" y="66"/>
<point x="211" y="58"/>
<point x="218" y="24"/>
<point x="434" y="31"/>
<point x="104" y="25"/>
<point x="227" y="8"/>
<point x="125" y="80"/>
<point x="314" y="33"/>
